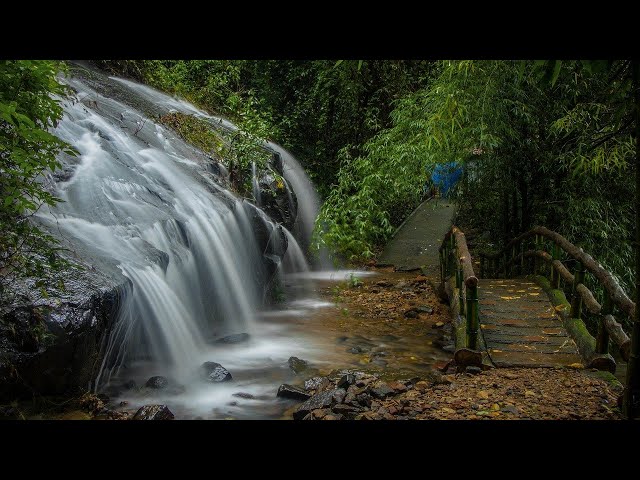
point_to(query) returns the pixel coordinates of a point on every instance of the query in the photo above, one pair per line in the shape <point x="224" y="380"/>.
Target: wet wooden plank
<point x="521" y="328"/>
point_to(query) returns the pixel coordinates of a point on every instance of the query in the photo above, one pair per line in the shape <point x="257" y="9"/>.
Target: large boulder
<point x="54" y="345"/>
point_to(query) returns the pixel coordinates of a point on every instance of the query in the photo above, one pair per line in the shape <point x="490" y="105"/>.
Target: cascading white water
<point x="306" y="194"/>
<point x="139" y="201"/>
<point x="149" y="210"/>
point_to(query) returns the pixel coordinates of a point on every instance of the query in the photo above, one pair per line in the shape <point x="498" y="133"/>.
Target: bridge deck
<point x="521" y="327"/>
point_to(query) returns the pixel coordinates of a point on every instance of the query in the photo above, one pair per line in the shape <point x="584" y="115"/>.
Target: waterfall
<point x="145" y="207"/>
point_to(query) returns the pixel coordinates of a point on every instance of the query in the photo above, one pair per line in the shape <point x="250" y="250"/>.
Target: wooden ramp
<point x="416" y="242"/>
<point x="521" y="328"/>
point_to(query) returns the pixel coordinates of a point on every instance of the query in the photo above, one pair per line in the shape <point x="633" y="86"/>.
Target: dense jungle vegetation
<point x="545" y="143"/>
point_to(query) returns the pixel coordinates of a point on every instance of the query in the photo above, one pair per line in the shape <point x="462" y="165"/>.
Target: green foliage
<point x="555" y="152"/>
<point x="29" y="107"/>
<point x="354" y="281"/>
<point x="196" y="131"/>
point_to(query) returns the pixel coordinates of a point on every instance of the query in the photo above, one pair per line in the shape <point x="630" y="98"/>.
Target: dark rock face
<point x="292" y="392"/>
<point x="157" y="382"/>
<point x="153" y="412"/>
<point x="278" y="198"/>
<point x="214" y="372"/>
<point x="297" y="365"/>
<point x="56" y="345"/>
<point x="236" y="338"/>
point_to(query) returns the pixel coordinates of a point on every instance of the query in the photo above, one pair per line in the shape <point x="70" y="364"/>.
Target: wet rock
<point x="382" y="391"/>
<point x="129" y="385"/>
<point x="339" y="395"/>
<point x="153" y="412"/>
<point x="294" y="393"/>
<point x="320" y="413"/>
<point x="511" y="409"/>
<point x="346" y="381"/>
<point x="214" y="372"/>
<point x="384" y="283"/>
<point x="319" y="400"/>
<point x="235" y="338"/>
<point x="245" y="395"/>
<point x="398" y="387"/>
<point x="473" y="370"/>
<point x="358" y="349"/>
<point x="157" y="382"/>
<point x="316" y="383"/>
<point x="346" y="410"/>
<point x="380" y="362"/>
<point x="411" y="313"/>
<point x="297" y="365"/>
<point x="449" y="348"/>
<point x="424" y="309"/>
<point x="342" y="339"/>
<point x="334" y="417"/>
<point x="421" y="386"/>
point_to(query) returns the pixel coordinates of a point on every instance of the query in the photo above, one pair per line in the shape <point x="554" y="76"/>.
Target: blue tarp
<point x="445" y="176"/>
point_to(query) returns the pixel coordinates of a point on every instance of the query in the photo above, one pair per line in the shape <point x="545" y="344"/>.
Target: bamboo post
<point x="602" y="340"/>
<point x="521" y="250"/>
<point x="459" y="287"/>
<point x="472" y="317"/>
<point x="555" y="276"/>
<point x="453" y="254"/>
<point x="576" y="298"/>
<point x="536" y="260"/>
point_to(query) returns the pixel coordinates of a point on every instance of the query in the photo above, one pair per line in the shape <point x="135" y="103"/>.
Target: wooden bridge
<point x="515" y="313"/>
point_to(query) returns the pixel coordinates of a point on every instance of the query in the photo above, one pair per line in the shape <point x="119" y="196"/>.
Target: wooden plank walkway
<point x="521" y="328"/>
<point x="417" y="241"/>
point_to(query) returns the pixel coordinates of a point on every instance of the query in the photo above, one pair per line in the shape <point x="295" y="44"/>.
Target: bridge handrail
<point x="615" y="296"/>
<point x="466" y="280"/>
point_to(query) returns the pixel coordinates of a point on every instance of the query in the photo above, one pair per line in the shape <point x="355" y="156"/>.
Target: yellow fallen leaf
<point x="496" y="350"/>
<point x="509" y="298"/>
<point x="559" y="308"/>
<point x="534" y="294"/>
<point x="576" y="365"/>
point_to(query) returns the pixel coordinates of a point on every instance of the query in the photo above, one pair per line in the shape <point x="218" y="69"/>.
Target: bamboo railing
<point x="515" y="256"/>
<point x="455" y="257"/>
